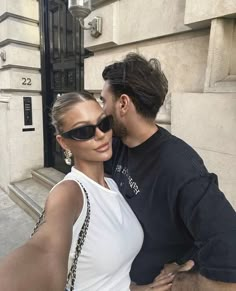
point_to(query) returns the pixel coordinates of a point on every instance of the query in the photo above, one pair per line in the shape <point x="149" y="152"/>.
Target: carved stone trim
<point x="7" y="67"/>
<point x="221" y="66"/>
<point x="20" y="90"/>
<point x="9" y="41"/>
<point x="6" y="15"/>
<point x="5" y="99"/>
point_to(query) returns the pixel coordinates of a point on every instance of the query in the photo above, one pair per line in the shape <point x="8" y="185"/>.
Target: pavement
<point x="15" y="225"/>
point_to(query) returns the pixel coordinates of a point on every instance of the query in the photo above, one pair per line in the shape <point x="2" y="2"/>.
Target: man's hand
<point x="195" y="282"/>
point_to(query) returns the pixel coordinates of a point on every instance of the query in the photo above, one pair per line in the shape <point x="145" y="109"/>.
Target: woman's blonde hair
<point x="64" y="103"/>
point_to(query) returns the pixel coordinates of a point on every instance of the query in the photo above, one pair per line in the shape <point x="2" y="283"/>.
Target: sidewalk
<point x="15" y="225"/>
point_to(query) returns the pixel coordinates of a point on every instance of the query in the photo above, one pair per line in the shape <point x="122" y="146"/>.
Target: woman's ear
<point x="61" y="141"/>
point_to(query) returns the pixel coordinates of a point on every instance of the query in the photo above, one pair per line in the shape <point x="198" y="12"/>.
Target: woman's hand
<point x="164" y="280"/>
<point x="161" y="283"/>
<point x="175" y="268"/>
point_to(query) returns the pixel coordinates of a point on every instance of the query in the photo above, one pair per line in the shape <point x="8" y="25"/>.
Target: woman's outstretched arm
<point x="41" y="263"/>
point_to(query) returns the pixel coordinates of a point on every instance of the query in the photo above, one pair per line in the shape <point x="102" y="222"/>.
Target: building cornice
<point x="7" y="15"/>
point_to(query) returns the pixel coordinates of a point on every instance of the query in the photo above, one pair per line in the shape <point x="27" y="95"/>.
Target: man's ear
<point x="61" y="141"/>
<point x="124" y="104"/>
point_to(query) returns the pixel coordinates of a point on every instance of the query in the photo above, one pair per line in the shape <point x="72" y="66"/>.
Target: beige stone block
<point x="16" y="117"/>
<point x="110" y="26"/>
<point x="201" y="11"/>
<point x="221" y="64"/>
<point x="16" y="121"/>
<point x="19" y="55"/>
<point x="16" y="100"/>
<point x="4" y="152"/>
<point x="138" y="21"/>
<point x="25" y="8"/>
<point x="20" y="151"/>
<point x="27" y="146"/>
<point x="26" y="153"/>
<point x="20" y="30"/>
<point x="22" y="167"/>
<point x="164" y="114"/>
<point x="94" y="66"/>
<point x="183" y="59"/>
<point x="20" y="79"/>
<point x="38" y="120"/>
<point x="224" y="165"/>
<point x="3" y="7"/>
<point x="206" y="121"/>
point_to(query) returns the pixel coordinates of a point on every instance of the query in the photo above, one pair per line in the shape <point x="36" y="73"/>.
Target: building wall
<point x="195" y="42"/>
<point x="21" y="150"/>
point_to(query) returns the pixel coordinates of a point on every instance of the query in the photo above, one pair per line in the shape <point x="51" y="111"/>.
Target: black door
<point x="62" y="67"/>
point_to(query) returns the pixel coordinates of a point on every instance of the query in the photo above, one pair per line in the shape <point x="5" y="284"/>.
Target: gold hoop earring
<point x="68" y="155"/>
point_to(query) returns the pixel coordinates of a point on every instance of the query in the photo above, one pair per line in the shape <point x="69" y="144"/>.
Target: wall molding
<point x="7" y="15"/>
<point x="19" y="91"/>
<point x="13" y="41"/>
<point x="221" y="64"/>
<point x="7" y="67"/>
<point x="5" y="99"/>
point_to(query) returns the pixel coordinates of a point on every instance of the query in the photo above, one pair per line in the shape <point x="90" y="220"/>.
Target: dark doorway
<point x="62" y="56"/>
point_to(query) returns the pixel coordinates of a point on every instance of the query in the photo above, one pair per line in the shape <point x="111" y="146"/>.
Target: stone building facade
<point x="21" y="147"/>
<point x="195" y="42"/>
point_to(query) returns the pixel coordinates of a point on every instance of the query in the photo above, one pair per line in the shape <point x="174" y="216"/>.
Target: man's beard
<point x="119" y="130"/>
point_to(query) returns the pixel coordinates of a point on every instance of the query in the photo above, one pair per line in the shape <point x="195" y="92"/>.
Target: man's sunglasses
<point x="87" y="132"/>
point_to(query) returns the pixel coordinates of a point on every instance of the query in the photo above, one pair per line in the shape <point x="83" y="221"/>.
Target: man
<point x="183" y="213"/>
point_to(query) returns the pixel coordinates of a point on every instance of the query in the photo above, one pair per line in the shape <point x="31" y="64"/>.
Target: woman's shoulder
<point x="66" y="194"/>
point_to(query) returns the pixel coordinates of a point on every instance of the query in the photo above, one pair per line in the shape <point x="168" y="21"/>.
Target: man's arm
<point x="211" y="221"/>
<point x="187" y="280"/>
<point x="192" y="281"/>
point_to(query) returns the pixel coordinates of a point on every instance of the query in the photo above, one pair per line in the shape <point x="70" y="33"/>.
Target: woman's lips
<point x="104" y="147"/>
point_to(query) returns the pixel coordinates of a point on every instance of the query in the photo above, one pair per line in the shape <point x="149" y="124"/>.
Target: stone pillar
<point x="207" y="120"/>
<point x="21" y="147"/>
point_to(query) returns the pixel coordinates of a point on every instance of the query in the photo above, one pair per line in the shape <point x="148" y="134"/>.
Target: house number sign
<point x="26" y="81"/>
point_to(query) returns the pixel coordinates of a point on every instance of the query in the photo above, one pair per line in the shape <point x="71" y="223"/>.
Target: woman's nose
<point x="99" y="134"/>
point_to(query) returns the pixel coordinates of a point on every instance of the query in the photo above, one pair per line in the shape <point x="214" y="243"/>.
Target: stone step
<point x="31" y="194"/>
<point x="47" y="176"/>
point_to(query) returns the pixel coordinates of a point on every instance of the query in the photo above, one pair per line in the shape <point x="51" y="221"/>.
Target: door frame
<point x="47" y="98"/>
<point x="47" y="93"/>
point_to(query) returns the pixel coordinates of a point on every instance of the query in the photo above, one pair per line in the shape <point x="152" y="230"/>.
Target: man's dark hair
<point x="142" y="80"/>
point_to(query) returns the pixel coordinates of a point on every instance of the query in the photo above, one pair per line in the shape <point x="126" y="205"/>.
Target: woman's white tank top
<point x="113" y="239"/>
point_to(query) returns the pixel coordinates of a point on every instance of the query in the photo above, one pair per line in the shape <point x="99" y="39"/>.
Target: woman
<point x="112" y="236"/>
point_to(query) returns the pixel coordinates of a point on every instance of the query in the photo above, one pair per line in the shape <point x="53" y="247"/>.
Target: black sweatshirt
<point x="183" y="213"/>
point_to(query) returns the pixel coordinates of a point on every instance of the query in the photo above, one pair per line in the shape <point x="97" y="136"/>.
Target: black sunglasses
<point x="87" y="132"/>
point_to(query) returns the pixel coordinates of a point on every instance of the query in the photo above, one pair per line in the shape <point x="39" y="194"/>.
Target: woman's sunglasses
<point x="87" y="132"/>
